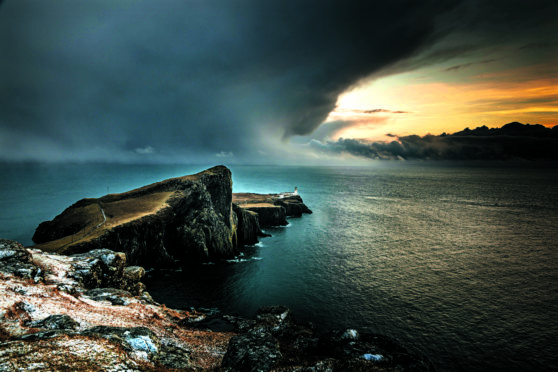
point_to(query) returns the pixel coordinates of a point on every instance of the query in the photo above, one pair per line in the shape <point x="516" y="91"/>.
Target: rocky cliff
<point x="272" y="209"/>
<point x="186" y="219"/>
<point x="247" y="226"/>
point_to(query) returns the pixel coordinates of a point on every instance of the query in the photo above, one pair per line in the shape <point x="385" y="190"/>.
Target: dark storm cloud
<point x="114" y="80"/>
<point x="512" y="141"/>
<point x="540" y="45"/>
<point x="474" y="28"/>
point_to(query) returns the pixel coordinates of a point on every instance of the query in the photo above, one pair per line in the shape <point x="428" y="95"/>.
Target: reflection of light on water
<point x="410" y="253"/>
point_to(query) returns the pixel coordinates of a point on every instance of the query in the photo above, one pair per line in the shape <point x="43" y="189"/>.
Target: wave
<point x="239" y="260"/>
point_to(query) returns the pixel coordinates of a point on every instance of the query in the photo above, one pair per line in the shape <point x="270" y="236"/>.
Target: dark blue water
<point x="457" y="261"/>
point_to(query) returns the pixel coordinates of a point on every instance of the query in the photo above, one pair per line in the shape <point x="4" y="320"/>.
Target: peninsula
<point x="189" y="219"/>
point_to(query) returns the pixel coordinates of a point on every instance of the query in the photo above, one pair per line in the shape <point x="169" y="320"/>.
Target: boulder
<point x="131" y="280"/>
<point x="252" y="352"/>
<point x="134" y="274"/>
<point x="274" y="318"/>
<point x="18" y="261"/>
<point x="98" y="268"/>
<point x="59" y="321"/>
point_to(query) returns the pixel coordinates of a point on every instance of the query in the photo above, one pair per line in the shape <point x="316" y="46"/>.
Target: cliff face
<point x="187" y="219"/>
<point x="247" y="226"/>
<point x="293" y="205"/>
<point x="269" y="214"/>
<point x="272" y="209"/>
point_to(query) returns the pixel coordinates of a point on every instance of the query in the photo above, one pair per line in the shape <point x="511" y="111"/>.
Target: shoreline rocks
<point x="87" y="312"/>
<point x="276" y="341"/>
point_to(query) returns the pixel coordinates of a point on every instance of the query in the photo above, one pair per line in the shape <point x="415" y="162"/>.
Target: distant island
<point x="187" y="219"/>
<point x="513" y="141"/>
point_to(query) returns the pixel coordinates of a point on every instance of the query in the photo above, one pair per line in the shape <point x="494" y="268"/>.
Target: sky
<point x="251" y="81"/>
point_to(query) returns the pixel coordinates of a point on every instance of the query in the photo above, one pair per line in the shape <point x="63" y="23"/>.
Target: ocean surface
<point x="457" y="261"/>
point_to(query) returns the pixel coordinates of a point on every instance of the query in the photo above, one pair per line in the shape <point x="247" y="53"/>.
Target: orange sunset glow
<point x="416" y="103"/>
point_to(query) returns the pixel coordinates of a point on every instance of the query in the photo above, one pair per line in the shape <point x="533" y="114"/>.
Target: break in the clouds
<point x="340" y="120"/>
<point x="193" y="80"/>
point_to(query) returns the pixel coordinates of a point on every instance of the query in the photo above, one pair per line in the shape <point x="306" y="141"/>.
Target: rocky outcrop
<point x="64" y="317"/>
<point x="247" y="226"/>
<point x="269" y="214"/>
<point x="99" y="268"/>
<point x="96" y="349"/>
<point x="276" y="341"/>
<point x="186" y="220"/>
<point x="294" y="206"/>
<point x="272" y="209"/>
<point x="18" y="261"/>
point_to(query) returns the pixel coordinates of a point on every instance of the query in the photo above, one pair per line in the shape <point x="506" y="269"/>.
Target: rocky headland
<point x="75" y="300"/>
<point x="182" y="220"/>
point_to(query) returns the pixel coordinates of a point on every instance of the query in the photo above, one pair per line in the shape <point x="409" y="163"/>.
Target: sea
<point x="456" y="261"/>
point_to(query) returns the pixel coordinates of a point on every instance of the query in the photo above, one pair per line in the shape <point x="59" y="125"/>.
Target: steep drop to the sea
<point x="186" y="219"/>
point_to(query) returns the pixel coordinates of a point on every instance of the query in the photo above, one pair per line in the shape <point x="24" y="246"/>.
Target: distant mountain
<point x="512" y="129"/>
<point x="513" y="141"/>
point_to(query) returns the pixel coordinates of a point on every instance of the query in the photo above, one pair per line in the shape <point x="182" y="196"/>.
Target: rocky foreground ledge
<point x="185" y="219"/>
<point x="90" y="312"/>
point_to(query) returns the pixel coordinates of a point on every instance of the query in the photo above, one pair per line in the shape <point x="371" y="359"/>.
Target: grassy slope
<point x="117" y="211"/>
<point x="125" y="207"/>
